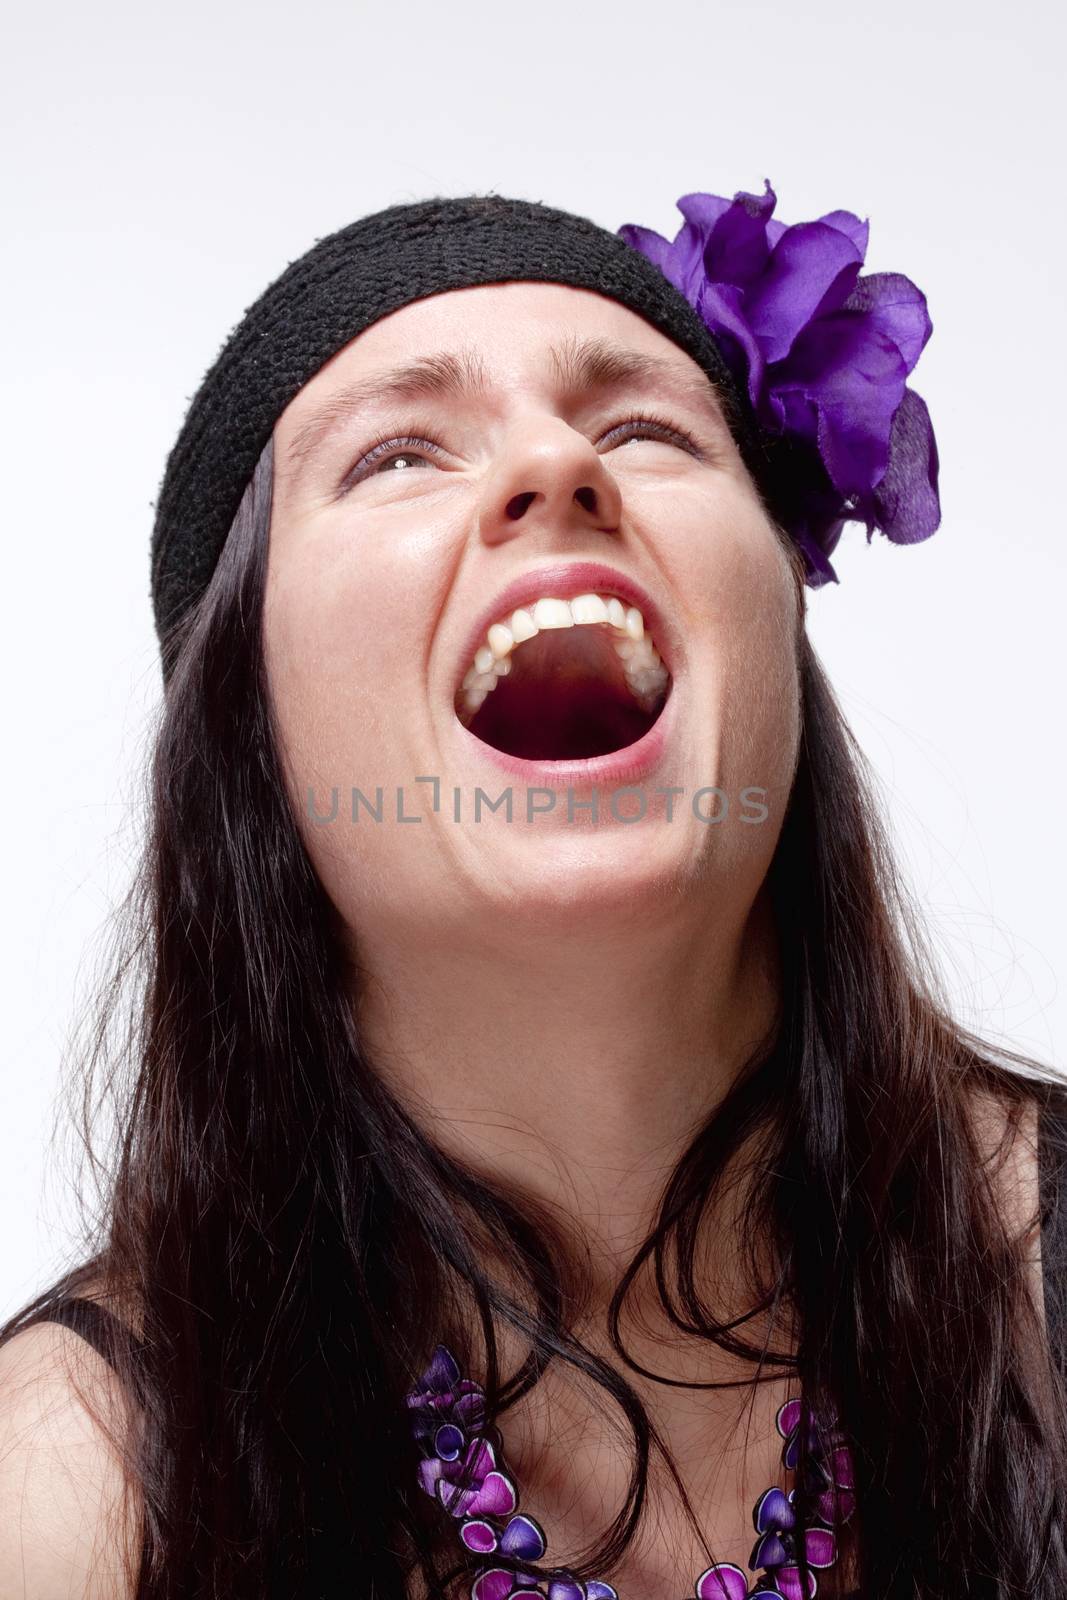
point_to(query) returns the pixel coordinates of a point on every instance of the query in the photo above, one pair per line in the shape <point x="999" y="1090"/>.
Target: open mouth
<point x="565" y="680"/>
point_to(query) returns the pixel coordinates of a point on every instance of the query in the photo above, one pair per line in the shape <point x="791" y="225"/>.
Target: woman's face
<point x="519" y="466"/>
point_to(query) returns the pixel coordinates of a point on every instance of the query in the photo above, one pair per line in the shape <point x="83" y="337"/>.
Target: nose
<point x="547" y="477"/>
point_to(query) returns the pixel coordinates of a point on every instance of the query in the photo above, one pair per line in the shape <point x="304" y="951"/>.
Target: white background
<point x="162" y="165"/>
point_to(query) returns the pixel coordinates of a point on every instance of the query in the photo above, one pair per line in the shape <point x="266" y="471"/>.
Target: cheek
<point x="740" y="607"/>
<point x="731" y="573"/>
<point x="345" y="624"/>
<point x="762" y="701"/>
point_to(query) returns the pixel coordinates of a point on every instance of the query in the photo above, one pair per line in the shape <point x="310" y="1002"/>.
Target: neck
<point x="574" y="1068"/>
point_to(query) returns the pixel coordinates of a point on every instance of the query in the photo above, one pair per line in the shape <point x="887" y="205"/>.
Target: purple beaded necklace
<point x="448" y="1416"/>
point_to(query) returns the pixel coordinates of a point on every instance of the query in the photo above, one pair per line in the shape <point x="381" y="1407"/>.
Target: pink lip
<point x="564" y="580"/>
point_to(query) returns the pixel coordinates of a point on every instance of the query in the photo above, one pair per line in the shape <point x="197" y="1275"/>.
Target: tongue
<point x="565" y="698"/>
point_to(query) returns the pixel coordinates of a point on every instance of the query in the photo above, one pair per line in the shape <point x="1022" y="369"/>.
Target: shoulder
<point x="1007" y="1132"/>
<point x="68" y="1522"/>
<point x="1016" y="1135"/>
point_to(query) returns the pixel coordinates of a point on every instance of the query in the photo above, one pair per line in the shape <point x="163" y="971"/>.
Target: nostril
<point x="517" y="505"/>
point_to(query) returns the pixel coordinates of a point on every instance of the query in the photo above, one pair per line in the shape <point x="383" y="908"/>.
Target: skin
<point x="559" y="1004"/>
<point x="527" y="984"/>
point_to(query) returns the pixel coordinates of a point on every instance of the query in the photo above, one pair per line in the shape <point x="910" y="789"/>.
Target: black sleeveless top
<point x="98" y="1326"/>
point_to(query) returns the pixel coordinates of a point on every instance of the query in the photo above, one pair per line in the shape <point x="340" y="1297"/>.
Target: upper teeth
<point x="643" y="668"/>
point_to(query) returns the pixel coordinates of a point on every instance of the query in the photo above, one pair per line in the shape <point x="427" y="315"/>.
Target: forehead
<point x="491" y="336"/>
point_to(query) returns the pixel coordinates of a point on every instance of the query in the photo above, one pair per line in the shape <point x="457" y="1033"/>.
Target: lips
<point x="564" y="581"/>
<point x="550" y="686"/>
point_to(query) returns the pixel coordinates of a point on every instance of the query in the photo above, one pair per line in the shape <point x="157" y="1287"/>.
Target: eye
<point x="653" y="427"/>
<point x="388" y="449"/>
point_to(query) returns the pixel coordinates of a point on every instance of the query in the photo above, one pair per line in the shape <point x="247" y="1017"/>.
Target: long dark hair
<point x="290" y="1245"/>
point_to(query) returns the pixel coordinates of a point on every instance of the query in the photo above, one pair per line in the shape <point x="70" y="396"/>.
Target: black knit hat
<point x="344" y="283"/>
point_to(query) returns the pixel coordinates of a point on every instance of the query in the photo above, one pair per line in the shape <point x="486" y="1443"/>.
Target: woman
<point x="545" y="1138"/>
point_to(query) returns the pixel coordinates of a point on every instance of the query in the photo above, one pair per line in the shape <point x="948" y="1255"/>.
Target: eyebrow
<point x="579" y="364"/>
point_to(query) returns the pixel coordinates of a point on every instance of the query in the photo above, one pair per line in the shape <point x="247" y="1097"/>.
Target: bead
<point x="442" y="1412"/>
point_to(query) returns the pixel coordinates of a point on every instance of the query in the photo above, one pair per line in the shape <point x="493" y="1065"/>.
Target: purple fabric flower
<point x="443" y="1400"/>
<point x="490" y="1492"/>
<point x="777" y="1546"/>
<point x="446" y="1413"/>
<point x="727" y="1582"/>
<point x="448" y="1418"/>
<point x="829" y="1482"/>
<point x="496" y="1583"/>
<point x="722" y="1582"/>
<point x="780" y="1530"/>
<point x="460" y="1469"/>
<point x="823" y="355"/>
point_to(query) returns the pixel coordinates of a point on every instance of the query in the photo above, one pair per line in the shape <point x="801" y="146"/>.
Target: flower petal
<point x="681" y="260"/>
<point x="595" y="1590"/>
<point x="832" y="1514"/>
<point x="789" y="1584"/>
<point x="895" y="305"/>
<point x="480" y="1459"/>
<point x="820" y="1547"/>
<point x="703" y="212"/>
<point x="456" y="1501"/>
<point x="722" y="1582"/>
<point x="812" y="270"/>
<point x="448" y="1441"/>
<point x="768" y="1551"/>
<point x="816" y="544"/>
<point x="817" y="1476"/>
<point x="788" y="1418"/>
<point x="479" y="1536"/>
<point x="523" y="1537"/>
<point x="565" y="1589"/>
<point x="496" y="1496"/>
<point x="853" y="374"/>
<point x="442" y="1373"/>
<point x="649" y="243"/>
<point x="851" y="226"/>
<point x="469" y="1410"/>
<point x="719" y="307"/>
<point x="737" y="249"/>
<point x="844" y="1474"/>
<point x="494" y="1584"/>
<point x="907" y="504"/>
<point x="773" y="1511"/>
